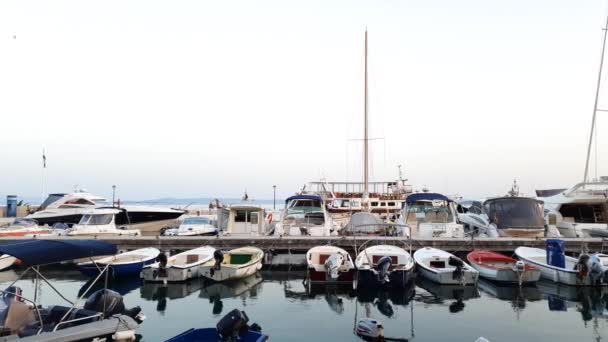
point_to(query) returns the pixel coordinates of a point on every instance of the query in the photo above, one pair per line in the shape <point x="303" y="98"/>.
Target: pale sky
<point x="207" y="98"/>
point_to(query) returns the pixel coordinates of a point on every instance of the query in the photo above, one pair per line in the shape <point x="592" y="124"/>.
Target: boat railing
<point x="99" y="314"/>
<point x="33" y="305"/>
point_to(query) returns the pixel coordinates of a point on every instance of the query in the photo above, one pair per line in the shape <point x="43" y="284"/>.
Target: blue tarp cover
<point x="308" y="197"/>
<point x="43" y="252"/>
<point x="425" y="196"/>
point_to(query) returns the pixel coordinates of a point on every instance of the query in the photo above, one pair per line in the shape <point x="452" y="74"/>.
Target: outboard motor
<point x="332" y="265"/>
<point x="582" y="268"/>
<point x="162" y="262"/>
<point x="459" y="264"/>
<point x="234" y="324"/>
<point x="218" y="256"/>
<point x="110" y="303"/>
<point x="382" y="268"/>
<point x="597" y="271"/>
<point x="369" y="329"/>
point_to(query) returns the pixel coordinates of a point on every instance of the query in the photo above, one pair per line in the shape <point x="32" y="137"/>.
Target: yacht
<point x="305" y="215"/>
<point x="100" y="222"/>
<point x="581" y="211"/>
<point x="429" y="215"/>
<point x="68" y="208"/>
<point x="505" y="217"/>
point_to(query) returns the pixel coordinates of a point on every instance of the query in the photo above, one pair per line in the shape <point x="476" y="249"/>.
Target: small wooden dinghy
<point x="500" y="268"/>
<point x="385" y="266"/>
<point x="575" y="271"/>
<point x="235" y="264"/>
<point x="329" y="264"/>
<point x="121" y="265"/>
<point x="444" y="268"/>
<point x="179" y="267"/>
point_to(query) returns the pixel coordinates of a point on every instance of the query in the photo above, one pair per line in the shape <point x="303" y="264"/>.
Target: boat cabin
<point x="242" y="219"/>
<point x="431" y="215"/>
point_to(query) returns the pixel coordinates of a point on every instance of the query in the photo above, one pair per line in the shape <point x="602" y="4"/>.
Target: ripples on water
<point x="289" y="311"/>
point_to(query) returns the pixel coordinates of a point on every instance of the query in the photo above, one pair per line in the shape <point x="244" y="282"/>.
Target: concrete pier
<point x="302" y="244"/>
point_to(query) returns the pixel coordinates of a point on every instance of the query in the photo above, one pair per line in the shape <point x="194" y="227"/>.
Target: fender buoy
<point x="270" y="218"/>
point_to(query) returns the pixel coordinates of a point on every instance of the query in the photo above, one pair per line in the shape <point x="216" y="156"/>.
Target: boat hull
<point x="322" y="277"/>
<point x="116" y="271"/>
<point x="227" y="272"/>
<point x="211" y="334"/>
<point x="397" y="279"/>
<point x="6" y="261"/>
<point x="507" y="275"/>
<point x="447" y="277"/>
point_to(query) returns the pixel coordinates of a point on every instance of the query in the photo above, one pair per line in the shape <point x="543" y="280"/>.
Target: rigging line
<point x="595" y="138"/>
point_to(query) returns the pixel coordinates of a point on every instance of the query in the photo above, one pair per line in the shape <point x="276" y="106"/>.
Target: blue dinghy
<point x="232" y="327"/>
<point x="121" y="265"/>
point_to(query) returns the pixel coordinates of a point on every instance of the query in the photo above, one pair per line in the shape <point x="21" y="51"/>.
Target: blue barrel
<point x="11" y="206"/>
<point x="555" y="253"/>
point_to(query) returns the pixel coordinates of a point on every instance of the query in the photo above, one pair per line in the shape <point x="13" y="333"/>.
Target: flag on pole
<point x="43" y="159"/>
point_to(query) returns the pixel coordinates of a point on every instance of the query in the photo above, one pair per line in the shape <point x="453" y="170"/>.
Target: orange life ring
<point x="269" y="217"/>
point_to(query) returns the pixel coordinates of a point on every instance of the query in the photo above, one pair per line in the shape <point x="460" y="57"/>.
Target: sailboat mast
<point x="365" y="135"/>
<point x="595" y="110"/>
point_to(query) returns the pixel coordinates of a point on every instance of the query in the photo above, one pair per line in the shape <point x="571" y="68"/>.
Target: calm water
<point x="287" y="311"/>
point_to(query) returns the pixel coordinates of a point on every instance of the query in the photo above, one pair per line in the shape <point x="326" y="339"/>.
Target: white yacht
<point x="430" y="215"/>
<point x="69" y="209"/>
<point x="100" y="222"/>
<point x="305" y="215"/>
<point x="505" y="217"/>
<point x="581" y="211"/>
<point x="193" y="226"/>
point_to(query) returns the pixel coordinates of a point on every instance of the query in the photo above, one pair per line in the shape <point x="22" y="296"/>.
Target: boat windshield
<point x="197" y="220"/>
<point x="96" y="219"/>
<point x="430" y="212"/>
<point x="515" y="212"/>
<point x="51" y="199"/>
<point x="304" y="211"/>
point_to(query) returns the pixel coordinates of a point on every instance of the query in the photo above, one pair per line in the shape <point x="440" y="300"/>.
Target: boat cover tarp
<point x="43" y="252"/>
<point x="307" y="197"/>
<point x="363" y="222"/>
<point x="425" y="196"/>
<point x="515" y="212"/>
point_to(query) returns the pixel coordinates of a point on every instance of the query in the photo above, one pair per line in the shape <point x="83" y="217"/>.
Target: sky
<point x="212" y="98"/>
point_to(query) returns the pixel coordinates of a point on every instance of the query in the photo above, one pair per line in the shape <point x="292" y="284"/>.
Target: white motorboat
<point x="444" y="268"/>
<point x="384" y="266"/>
<point x="100" y="222"/>
<point x="193" y="226"/>
<point x="235" y="264"/>
<point x="506" y="217"/>
<point x="329" y="264"/>
<point x="503" y="269"/>
<point x="179" y="267"/>
<point x="581" y="211"/>
<point x="25" y="227"/>
<point x="431" y="215"/>
<point x="586" y="270"/>
<point x="304" y="215"/>
<point x="242" y="219"/>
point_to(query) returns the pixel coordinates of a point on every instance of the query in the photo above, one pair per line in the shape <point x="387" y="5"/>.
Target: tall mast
<point x="365" y="136"/>
<point x="595" y="110"/>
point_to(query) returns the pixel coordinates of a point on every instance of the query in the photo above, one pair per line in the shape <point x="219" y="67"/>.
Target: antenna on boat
<point x="595" y="109"/>
<point x="365" y="137"/>
<point x="43" y="174"/>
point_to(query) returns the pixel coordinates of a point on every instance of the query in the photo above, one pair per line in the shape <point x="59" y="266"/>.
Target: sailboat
<point x="581" y="211"/>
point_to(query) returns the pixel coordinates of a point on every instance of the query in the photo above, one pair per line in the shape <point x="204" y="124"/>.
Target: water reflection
<point x="515" y="295"/>
<point x="440" y="294"/>
<point x="384" y="299"/>
<point x="121" y="285"/>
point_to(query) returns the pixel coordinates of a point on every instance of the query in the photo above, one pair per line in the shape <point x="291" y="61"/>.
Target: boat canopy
<point x="305" y="197"/>
<point x="44" y="252"/>
<point x="425" y="196"/>
<point x="515" y="212"/>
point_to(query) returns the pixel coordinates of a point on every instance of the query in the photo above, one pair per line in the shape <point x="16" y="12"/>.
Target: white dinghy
<point x="6" y="261"/>
<point x="235" y="264"/>
<point x="444" y="268"/>
<point x="179" y="267"/>
<point x="329" y="264"/>
<point x="586" y="270"/>
<point x="384" y="266"/>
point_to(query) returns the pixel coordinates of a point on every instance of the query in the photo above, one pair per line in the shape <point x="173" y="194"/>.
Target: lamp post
<point x="113" y="195"/>
<point x="274" y="197"/>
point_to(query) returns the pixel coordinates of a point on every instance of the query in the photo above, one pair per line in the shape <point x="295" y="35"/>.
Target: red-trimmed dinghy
<point x="500" y="268"/>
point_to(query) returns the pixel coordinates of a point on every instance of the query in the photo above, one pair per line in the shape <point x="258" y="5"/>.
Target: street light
<point x="113" y="195"/>
<point x="274" y="197"/>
